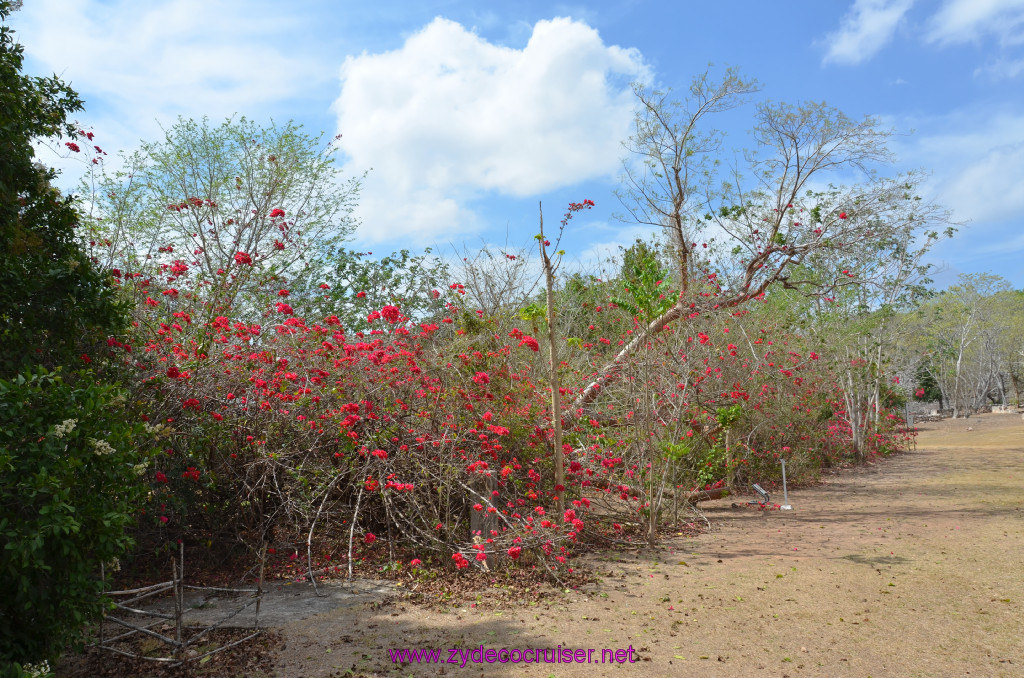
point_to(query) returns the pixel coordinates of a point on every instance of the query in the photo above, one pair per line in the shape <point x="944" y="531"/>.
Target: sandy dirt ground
<point x="910" y="567"/>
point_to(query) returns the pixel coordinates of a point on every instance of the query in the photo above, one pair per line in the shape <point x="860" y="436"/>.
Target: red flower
<point x="276" y="212"/>
<point x="530" y="343"/>
<point x="284" y="308"/>
<point x="369" y="538"/>
<point x="391" y="314"/>
<point x="481" y="378"/>
<point x="283" y="293"/>
<point x="514" y="552"/>
<point x="73" y="146"/>
<point x="415" y="562"/>
<point x="842" y="215"/>
<point x="160" y="477"/>
<point x="243" y="258"/>
<point x="163" y="519"/>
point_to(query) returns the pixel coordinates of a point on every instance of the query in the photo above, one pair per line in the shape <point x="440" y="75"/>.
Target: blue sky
<point x="469" y="113"/>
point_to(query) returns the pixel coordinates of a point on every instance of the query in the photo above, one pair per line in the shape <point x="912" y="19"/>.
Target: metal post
<point x="785" y="493"/>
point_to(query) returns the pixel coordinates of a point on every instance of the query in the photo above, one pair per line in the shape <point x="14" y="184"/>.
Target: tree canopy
<point x="53" y="299"/>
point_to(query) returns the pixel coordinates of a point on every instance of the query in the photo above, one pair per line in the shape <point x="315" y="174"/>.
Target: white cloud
<point x="960" y="21"/>
<point x="605" y="254"/>
<point x="977" y="157"/>
<point x="134" y="62"/>
<point x="1013" y="244"/>
<point x="865" y="30"/>
<point x="450" y="117"/>
<point x="989" y="186"/>
<point x="1001" y="69"/>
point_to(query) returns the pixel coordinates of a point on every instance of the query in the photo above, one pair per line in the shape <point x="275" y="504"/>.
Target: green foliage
<point x="644" y="282"/>
<point x="727" y="416"/>
<point x="926" y="389"/>
<point x="416" y="283"/>
<point x="891" y="398"/>
<point x="69" y="486"/>
<point x="206" y="192"/>
<point x="52" y="298"/>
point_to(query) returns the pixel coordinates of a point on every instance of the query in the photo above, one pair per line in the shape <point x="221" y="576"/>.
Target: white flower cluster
<point x="42" y="669"/>
<point x="64" y="428"/>
<point x="101" y="447"/>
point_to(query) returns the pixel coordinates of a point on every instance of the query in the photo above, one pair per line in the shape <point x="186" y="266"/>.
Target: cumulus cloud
<point x="866" y="28"/>
<point x="450" y="117"/>
<point x="134" y="62"/>
<point x="960" y="21"/>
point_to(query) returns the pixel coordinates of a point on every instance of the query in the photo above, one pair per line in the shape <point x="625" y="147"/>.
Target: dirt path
<point x="913" y="567"/>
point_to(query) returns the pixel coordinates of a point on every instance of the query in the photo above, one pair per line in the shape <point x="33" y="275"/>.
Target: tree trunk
<point x="556" y="403"/>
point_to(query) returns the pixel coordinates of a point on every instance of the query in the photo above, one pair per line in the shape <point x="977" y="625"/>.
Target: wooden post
<point x="259" y="586"/>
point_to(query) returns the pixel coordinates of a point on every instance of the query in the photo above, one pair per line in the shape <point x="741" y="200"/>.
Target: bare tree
<point x="770" y="232"/>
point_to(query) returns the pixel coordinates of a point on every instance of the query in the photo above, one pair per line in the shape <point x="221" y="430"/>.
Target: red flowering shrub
<point x="429" y="424"/>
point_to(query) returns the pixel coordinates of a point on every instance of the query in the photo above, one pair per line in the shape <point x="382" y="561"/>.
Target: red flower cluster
<point x="530" y="343"/>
